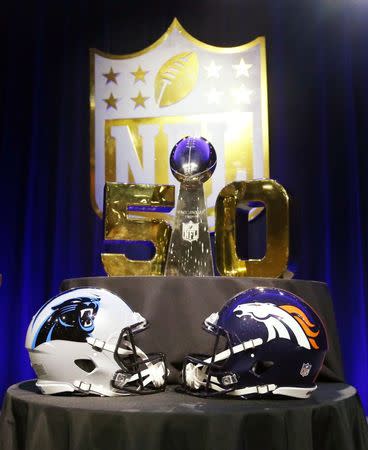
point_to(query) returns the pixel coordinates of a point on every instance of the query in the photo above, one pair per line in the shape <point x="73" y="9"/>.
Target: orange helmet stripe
<point x="313" y="343"/>
<point x="304" y="322"/>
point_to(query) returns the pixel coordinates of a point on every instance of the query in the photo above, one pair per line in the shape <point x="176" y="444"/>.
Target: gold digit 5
<point x="276" y="201"/>
<point x="120" y="198"/>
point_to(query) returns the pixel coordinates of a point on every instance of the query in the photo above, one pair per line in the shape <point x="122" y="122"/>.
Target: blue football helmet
<point x="268" y="342"/>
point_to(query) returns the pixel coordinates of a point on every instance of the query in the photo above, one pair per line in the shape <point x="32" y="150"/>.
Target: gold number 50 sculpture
<point x="276" y="201"/>
<point x="120" y="198"/>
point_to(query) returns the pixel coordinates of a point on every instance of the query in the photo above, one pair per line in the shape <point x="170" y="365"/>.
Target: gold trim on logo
<point x="175" y="25"/>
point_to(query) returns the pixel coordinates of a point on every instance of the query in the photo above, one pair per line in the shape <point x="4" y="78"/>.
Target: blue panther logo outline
<point x="71" y="320"/>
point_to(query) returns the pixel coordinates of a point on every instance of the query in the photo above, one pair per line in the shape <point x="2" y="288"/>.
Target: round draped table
<point x="332" y="419"/>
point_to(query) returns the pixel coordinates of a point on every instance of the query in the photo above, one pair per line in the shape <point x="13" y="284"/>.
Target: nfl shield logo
<point x="143" y="103"/>
<point x="190" y="231"/>
<point x="304" y="371"/>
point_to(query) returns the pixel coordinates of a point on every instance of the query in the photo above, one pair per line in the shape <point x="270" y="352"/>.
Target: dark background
<point x="317" y="62"/>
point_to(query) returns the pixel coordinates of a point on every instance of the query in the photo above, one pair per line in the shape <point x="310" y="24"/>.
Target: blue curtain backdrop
<point x="317" y="57"/>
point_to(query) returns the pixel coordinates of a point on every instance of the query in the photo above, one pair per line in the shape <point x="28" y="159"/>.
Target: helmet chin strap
<point x="196" y="376"/>
<point x="154" y="373"/>
<point x="97" y="389"/>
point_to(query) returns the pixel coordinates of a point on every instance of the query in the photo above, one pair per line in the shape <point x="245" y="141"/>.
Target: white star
<point x="214" y="96"/>
<point x="213" y="70"/>
<point x="242" y="69"/>
<point x="241" y="95"/>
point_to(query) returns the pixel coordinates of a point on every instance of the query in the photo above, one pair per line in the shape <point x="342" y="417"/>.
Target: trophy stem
<point x="189" y="251"/>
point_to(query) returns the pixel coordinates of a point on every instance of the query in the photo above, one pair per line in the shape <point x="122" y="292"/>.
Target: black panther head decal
<point x="71" y="320"/>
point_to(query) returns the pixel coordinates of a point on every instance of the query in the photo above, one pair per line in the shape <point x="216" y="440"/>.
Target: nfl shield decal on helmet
<point x="304" y="371"/>
<point x="143" y="103"/>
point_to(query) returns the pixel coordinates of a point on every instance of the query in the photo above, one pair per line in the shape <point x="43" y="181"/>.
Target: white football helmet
<point x="83" y="340"/>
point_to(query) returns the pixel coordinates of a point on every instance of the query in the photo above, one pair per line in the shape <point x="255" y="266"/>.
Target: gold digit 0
<point x="118" y="226"/>
<point x="276" y="201"/>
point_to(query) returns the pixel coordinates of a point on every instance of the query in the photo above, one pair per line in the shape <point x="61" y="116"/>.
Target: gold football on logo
<point x="176" y="78"/>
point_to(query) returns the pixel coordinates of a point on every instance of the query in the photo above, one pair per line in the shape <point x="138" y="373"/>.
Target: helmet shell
<point x="294" y="339"/>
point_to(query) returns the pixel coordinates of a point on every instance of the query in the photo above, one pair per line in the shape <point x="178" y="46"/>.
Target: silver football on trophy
<point x="193" y="159"/>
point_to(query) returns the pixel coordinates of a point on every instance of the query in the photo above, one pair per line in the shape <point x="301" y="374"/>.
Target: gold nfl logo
<point x="142" y="104"/>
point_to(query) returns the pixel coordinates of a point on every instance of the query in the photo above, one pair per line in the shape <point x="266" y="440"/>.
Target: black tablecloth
<point x="332" y="419"/>
<point x="177" y="306"/>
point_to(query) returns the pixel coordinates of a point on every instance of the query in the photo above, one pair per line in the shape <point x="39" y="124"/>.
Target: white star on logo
<point x="213" y="70"/>
<point x="242" y="69"/>
<point x="241" y="95"/>
<point x="214" y="96"/>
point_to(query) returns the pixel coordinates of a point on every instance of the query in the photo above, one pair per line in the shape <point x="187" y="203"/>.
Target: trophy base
<point x="184" y="263"/>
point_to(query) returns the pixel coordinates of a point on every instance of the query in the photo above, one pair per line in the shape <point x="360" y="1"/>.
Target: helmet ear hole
<point x="85" y="364"/>
<point x="261" y="367"/>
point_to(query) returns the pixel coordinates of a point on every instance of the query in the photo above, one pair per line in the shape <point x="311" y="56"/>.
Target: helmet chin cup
<point x="146" y="376"/>
<point x="200" y="374"/>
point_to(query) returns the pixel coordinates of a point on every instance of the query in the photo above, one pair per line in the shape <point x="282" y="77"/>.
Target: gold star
<point x="111" y="102"/>
<point x="139" y="100"/>
<point x="242" y="69"/>
<point x="241" y="95"/>
<point x="139" y="74"/>
<point x="213" y="71"/>
<point x="111" y="76"/>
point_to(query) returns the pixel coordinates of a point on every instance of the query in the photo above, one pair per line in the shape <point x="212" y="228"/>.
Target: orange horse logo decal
<point x="280" y="320"/>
